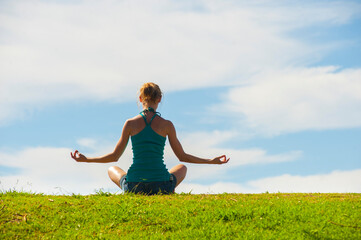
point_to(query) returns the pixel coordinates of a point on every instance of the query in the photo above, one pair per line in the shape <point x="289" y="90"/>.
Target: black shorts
<point x="149" y="188"/>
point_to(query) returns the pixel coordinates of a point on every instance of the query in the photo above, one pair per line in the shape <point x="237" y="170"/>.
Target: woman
<point x="148" y="131"/>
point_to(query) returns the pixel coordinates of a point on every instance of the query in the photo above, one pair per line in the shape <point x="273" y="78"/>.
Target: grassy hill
<point x="180" y="216"/>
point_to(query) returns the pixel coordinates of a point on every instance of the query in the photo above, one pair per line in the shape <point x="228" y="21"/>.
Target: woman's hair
<point x="150" y="92"/>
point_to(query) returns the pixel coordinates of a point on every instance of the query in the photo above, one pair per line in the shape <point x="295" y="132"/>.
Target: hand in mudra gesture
<point x="220" y="160"/>
<point x="77" y="156"/>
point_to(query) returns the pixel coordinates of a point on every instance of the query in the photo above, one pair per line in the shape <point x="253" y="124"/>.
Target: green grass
<point x="180" y="216"/>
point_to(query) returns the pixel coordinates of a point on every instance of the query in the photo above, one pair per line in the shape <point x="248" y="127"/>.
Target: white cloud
<point x="87" y="143"/>
<point x="299" y="99"/>
<point x="104" y="50"/>
<point x="334" y="182"/>
<point x="208" y="144"/>
<point x="219" y="187"/>
<point x="52" y="170"/>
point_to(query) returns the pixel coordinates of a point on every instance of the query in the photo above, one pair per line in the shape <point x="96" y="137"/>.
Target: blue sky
<point x="275" y="86"/>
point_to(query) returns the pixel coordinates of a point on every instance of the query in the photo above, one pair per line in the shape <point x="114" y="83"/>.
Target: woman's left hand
<point x="77" y="156"/>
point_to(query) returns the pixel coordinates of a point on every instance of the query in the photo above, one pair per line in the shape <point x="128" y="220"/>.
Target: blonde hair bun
<point x="150" y="92"/>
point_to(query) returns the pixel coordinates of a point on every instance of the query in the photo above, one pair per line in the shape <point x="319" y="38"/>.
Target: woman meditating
<point x="148" y="132"/>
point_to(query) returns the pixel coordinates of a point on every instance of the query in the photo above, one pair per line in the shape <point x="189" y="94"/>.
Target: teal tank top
<point x="148" y="151"/>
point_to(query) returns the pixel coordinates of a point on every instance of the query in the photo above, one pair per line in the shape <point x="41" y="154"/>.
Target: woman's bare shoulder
<point x="165" y="122"/>
<point x="134" y="121"/>
<point x="168" y="125"/>
<point x="135" y="118"/>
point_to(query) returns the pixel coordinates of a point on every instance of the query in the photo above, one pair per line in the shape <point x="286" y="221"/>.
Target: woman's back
<point x="148" y="140"/>
<point x="158" y="124"/>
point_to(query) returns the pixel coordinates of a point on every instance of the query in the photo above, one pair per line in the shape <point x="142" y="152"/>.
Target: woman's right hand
<point x="77" y="156"/>
<point x="220" y="160"/>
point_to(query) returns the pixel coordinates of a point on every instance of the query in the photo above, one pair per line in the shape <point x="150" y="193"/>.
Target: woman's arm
<point x="184" y="157"/>
<point x="111" y="157"/>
